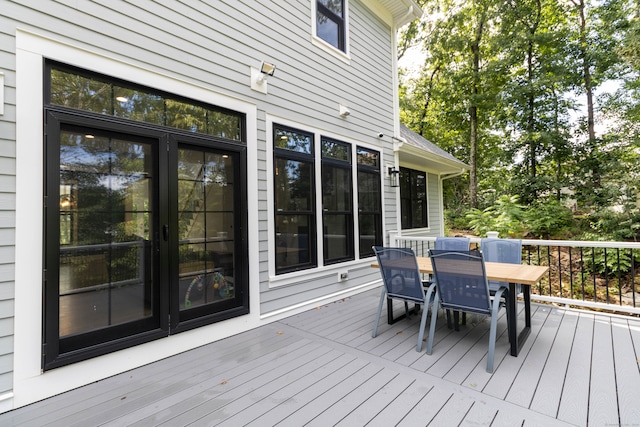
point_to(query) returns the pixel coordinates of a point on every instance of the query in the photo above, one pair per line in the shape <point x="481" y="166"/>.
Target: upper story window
<point x="413" y="198"/>
<point x="330" y="22"/>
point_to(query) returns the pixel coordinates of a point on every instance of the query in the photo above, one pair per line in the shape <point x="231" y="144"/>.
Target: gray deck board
<point x="395" y="411"/>
<point x="186" y="389"/>
<point x="384" y="396"/>
<point x="422" y="413"/>
<point x="454" y="411"/>
<point x="479" y="415"/>
<point x="322" y="368"/>
<point x="548" y="393"/>
<point x="603" y="405"/>
<point x="354" y="399"/>
<point x="303" y="401"/>
<point x="574" y="403"/>
<point x="627" y="380"/>
<point x="256" y="385"/>
<point x="331" y="397"/>
<point x="524" y="386"/>
<point x="502" y="379"/>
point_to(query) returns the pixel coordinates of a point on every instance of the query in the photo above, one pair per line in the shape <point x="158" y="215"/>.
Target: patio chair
<point x="402" y="281"/>
<point x="461" y="285"/>
<point x="453" y="244"/>
<point x="501" y="250"/>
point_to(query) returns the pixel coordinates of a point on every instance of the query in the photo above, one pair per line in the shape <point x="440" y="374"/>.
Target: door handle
<point x="165" y="232"/>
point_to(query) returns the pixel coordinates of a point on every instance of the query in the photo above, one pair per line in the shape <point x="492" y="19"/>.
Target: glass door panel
<point x="106" y="223"/>
<point x="207" y="230"/>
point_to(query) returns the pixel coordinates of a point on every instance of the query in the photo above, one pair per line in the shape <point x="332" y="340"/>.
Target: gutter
<point x="398" y="141"/>
<point x="413" y="12"/>
<point x="406" y="15"/>
<point x="452" y="175"/>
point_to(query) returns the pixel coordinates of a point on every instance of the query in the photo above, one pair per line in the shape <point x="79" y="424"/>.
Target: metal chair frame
<point x="462" y="285"/>
<point x="402" y="280"/>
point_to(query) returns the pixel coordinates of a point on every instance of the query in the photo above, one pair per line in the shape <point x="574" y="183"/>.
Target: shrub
<point x="505" y="217"/>
<point x="549" y="218"/>
<point x="596" y="262"/>
<point x="619" y="226"/>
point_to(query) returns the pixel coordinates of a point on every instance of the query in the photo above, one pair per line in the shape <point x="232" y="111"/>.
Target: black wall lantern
<point x="394" y="176"/>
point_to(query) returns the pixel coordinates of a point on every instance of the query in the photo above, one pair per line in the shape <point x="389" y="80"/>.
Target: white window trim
<point x="330" y="49"/>
<point x="30" y="384"/>
<point x="321" y="270"/>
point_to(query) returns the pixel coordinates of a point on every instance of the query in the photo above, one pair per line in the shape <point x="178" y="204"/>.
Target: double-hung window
<point x="337" y="201"/>
<point x="330" y="22"/>
<point x="318" y="230"/>
<point x="295" y="213"/>
<point x="369" y="200"/>
<point x="413" y="198"/>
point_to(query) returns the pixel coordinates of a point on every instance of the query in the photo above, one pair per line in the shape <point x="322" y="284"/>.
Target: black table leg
<point x="517" y="339"/>
<point x="391" y="320"/>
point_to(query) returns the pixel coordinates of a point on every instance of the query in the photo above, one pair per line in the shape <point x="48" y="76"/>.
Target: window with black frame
<point x="369" y="200"/>
<point x="337" y="201"/>
<point x="330" y="22"/>
<point x="294" y="194"/>
<point x="413" y="198"/>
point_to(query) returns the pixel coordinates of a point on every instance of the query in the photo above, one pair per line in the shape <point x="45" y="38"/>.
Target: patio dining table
<point x="513" y="274"/>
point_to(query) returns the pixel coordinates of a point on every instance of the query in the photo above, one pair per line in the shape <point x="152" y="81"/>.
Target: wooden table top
<point x="498" y="271"/>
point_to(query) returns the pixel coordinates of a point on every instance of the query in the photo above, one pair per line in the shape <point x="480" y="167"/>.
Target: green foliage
<point x="499" y="90"/>
<point x="456" y="219"/>
<point x="506" y="217"/>
<point x="616" y="226"/>
<point x="603" y="261"/>
<point x="549" y="219"/>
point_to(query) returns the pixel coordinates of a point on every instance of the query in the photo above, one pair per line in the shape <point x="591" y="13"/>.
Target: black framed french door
<point x="209" y="252"/>
<point x="145" y="234"/>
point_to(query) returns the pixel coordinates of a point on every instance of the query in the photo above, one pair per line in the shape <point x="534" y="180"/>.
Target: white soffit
<point x="401" y="12"/>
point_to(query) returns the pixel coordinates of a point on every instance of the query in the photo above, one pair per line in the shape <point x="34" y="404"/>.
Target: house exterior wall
<point x="203" y="51"/>
<point x="436" y="210"/>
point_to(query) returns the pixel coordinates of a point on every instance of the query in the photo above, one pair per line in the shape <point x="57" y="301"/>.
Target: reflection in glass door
<point x="146" y="236"/>
<point x="106" y="219"/>
<point x="207" y="231"/>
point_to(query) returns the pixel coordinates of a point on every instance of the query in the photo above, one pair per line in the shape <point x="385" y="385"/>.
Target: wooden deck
<point x="322" y="368"/>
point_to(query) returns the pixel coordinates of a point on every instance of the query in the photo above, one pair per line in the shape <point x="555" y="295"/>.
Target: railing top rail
<point x="540" y="242"/>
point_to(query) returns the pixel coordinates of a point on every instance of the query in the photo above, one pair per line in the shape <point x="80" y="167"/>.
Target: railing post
<point x="393" y="241"/>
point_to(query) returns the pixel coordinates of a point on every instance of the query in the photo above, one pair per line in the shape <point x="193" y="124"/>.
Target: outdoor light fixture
<point x="259" y="76"/>
<point x="266" y="69"/>
<point x="394" y="176"/>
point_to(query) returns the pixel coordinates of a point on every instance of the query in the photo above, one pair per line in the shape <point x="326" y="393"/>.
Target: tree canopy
<point x="540" y="97"/>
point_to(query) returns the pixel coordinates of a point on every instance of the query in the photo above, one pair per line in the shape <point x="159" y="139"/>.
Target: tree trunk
<point x="473" y="114"/>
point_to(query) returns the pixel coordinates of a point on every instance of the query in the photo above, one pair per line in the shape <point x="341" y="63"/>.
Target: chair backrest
<point x="400" y="273"/>
<point x="501" y="250"/>
<point x="453" y="243"/>
<point x="462" y="280"/>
